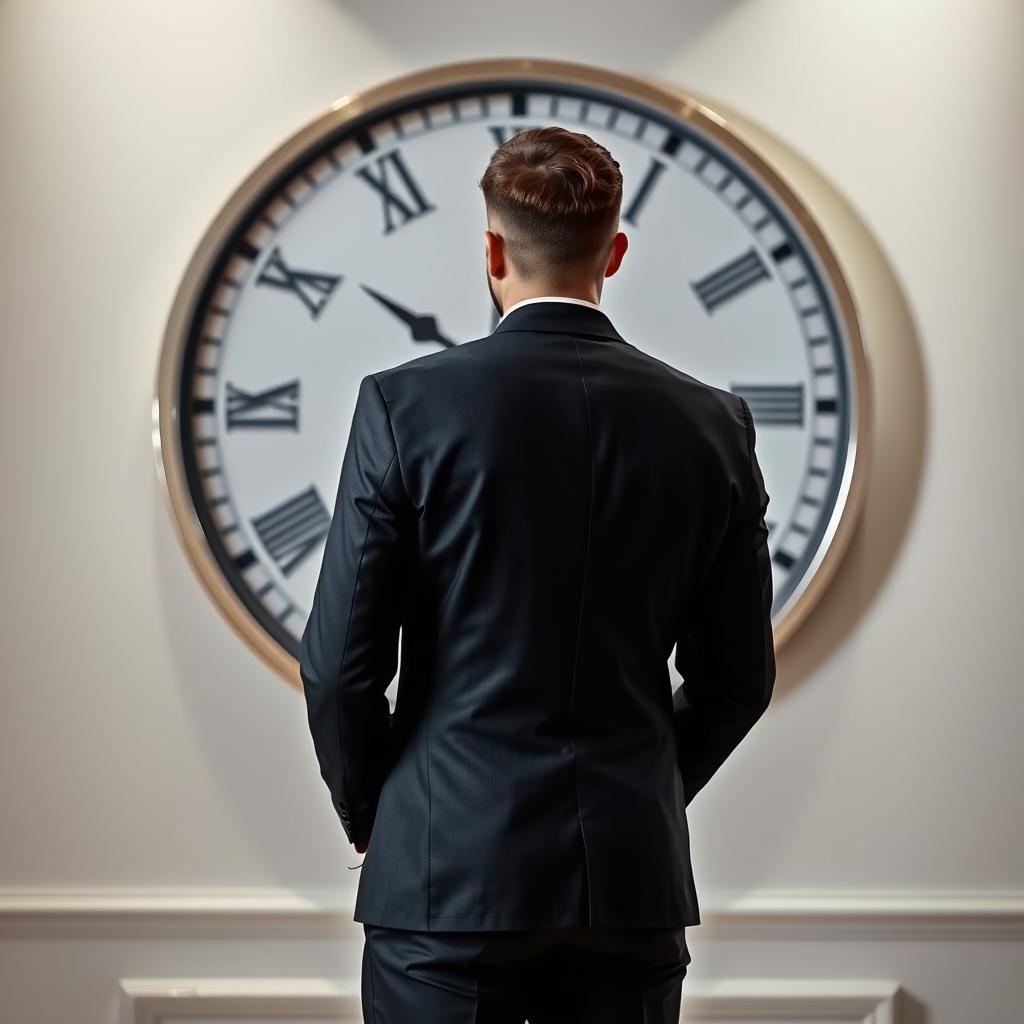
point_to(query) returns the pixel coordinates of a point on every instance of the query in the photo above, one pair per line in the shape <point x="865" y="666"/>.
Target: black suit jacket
<point x="545" y="512"/>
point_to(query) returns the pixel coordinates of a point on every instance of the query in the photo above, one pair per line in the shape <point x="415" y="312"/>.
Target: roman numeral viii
<point x="293" y="529"/>
<point x="312" y="288"/>
<point x="729" y="281"/>
<point x="404" y="197"/>
<point x="275" y="407"/>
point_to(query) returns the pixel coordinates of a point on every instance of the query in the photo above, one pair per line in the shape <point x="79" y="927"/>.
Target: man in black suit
<point x="544" y="512"/>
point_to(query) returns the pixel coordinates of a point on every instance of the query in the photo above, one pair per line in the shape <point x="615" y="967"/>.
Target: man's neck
<point x="537" y="291"/>
<point x="546" y="298"/>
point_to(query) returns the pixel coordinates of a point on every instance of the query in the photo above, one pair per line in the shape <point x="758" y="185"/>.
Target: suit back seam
<point x="579" y="625"/>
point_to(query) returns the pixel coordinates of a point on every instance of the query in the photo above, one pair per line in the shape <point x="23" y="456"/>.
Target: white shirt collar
<point x="548" y="298"/>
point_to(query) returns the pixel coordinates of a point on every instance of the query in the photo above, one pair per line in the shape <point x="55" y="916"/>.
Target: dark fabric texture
<point x="556" y="976"/>
<point x="539" y="515"/>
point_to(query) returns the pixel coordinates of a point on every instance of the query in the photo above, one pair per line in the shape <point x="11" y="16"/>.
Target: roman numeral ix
<point x="276" y="407"/>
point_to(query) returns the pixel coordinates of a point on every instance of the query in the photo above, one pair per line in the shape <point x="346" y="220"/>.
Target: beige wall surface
<point x="153" y="770"/>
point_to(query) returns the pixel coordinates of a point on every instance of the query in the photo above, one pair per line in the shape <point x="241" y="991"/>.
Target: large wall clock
<point x="357" y="244"/>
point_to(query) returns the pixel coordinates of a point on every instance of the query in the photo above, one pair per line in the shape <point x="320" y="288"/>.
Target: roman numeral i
<point x="643" y="193"/>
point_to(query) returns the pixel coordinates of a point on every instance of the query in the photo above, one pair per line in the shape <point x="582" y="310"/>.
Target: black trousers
<point x="553" y="976"/>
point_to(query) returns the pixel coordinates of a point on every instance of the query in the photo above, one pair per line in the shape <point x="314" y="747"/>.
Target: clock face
<point x="359" y="245"/>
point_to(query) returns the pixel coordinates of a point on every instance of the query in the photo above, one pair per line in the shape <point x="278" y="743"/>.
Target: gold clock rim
<point x="664" y="96"/>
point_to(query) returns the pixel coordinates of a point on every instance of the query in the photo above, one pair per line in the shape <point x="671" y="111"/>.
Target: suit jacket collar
<point x="561" y="318"/>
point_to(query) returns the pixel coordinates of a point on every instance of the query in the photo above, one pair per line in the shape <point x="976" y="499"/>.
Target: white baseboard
<point x="303" y="914"/>
<point x="757" y="999"/>
<point x="153" y="1001"/>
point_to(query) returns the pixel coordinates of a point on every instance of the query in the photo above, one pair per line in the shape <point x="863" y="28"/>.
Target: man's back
<point x="570" y="508"/>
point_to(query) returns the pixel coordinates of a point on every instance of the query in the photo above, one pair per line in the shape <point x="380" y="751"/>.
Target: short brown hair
<point x="557" y="194"/>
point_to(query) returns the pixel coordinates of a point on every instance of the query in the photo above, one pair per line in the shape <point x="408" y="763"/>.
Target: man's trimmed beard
<point x="494" y="298"/>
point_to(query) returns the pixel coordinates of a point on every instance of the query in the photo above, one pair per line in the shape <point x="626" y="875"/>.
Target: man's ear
<point x="495" y="250"/>
<point x="620" y="243"/>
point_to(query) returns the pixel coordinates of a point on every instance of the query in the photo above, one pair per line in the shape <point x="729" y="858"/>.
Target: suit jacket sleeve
<point x="725" y="650"/>
<point x="349" y="646"/>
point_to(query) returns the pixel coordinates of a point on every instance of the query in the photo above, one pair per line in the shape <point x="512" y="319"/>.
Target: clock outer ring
<point x="166" y="413"/>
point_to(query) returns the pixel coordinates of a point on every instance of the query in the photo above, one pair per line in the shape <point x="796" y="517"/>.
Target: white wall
<point x="870" y="827"/>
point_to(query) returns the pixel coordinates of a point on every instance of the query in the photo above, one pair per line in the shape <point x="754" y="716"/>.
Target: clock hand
<point x="422" y="326"/>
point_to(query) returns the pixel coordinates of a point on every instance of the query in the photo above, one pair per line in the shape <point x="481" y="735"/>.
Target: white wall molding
<point x="317" y="913"/>
<point x="153" y="1001"/>
<point x="177" y="912"/>
<point x="901" y="914"/>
